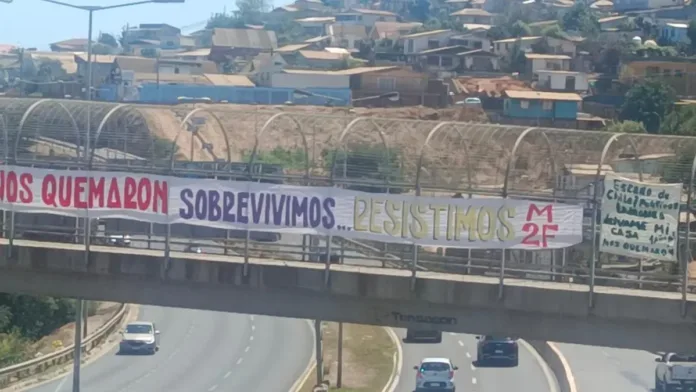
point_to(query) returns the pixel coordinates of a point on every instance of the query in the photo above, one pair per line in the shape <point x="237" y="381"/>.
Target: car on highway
<point x="435" y="374"/>
<point x="118" y="239"/>
<point x="415" y="335"/>
<point x="139" y="337"/>
<point x="675" y="372"/>
<point x="193" y="248"/>
<point x="491" y="350"/>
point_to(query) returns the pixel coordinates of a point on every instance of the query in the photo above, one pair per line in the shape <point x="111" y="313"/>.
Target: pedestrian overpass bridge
<point x="625" y="318"/>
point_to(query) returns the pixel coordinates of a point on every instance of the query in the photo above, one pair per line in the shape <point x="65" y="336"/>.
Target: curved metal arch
<point x="605" y="151"/>
<point x="347" y="129"/>
<point x="186" y="120"/>
<point x="100" y="128"/>
<point x="6" y="135"/>
<point x="513" y="155"/>
<point x="28" y="112"/>
<point x="264" y="128"/>
<point x="421" y="154"/>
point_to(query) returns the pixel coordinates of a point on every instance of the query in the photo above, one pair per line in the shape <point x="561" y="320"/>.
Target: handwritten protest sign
<point x="640" y="219"/>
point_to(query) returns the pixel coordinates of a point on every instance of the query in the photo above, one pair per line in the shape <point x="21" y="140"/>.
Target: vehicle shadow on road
<point x="491" y="364"/>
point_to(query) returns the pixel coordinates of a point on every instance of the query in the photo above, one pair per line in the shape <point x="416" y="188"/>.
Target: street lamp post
<point x="79" y="312"/>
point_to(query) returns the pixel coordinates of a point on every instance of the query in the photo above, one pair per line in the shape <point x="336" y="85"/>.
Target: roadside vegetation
<point x="368" y="355"/>
<point x="24" y="320"/>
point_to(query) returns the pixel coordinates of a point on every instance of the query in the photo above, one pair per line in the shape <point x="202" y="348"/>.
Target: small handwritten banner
<point x="640" y="219"/>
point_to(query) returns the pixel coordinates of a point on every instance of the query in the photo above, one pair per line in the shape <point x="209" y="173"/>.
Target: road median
<point x="558" y="364"/>
<point x="370" y="360"/>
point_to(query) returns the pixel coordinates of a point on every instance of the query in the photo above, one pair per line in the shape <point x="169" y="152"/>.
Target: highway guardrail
<point x="20" y="371"/>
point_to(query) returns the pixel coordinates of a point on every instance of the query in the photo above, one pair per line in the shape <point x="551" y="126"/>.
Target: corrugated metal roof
<point x="318" y="19"/>
<point x="141" y="77"/>
<point x="521" y="39"/>
<point x="318" y="39"/>
<point x="543" y="95"/>
<point x="343" y="72"/>
<point x="426" y="33"/>
<point x="340" y="29"/>
<point x="245" y="38"/>
<point x="538" y="56"/>
<point x="369" y="12"/>
<point x="321" y="55"/>
<point x="471" y="12"/>
<point x="66" y="60"/>
<point x="194" y="53"/>
<point x="229" y="80"/>
<point x="291" y="48"/>
<point x="477" y="26"/>
<point x="72" y="42"/>
<point x="612" y="18"/>
<point x="98" y="59"/>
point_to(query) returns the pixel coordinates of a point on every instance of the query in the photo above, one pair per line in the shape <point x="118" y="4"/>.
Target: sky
<point x="36" y="24"/>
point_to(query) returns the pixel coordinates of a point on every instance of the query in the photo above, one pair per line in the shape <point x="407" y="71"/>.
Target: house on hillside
<point x="391" y="30"/>
<point x="261" y="69"/>
<point x="245" y="43"/>
<point x="347" y="36"/>
<point x="673" y="32"/>
<point x="418" y="42"/>
<point x="542" y="108"/>
<point x="101" y="67"/>
<point x="315" y="25"/>
<point x="633" y="5"/>
<point x="612" y="22"/>
<point x="70" y="45"/>
<point x="473" y="39"/>
<point x="562" y="81"/>
<point x="321" y="59"/>
<point x="194" y="55"/>
<point x="675" y="71"/>
<point x="505" y="47"/>
<point x="151" y="35"/>
<point x="553" y="62"/>
<point x="473" y="16"/>
<point x="365" y="17"/>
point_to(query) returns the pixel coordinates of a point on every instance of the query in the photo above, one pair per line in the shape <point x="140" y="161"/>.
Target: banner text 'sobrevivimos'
<point x="640" y="219"/>
<point x="78" y="193"/>
<point x="465" y="223"/>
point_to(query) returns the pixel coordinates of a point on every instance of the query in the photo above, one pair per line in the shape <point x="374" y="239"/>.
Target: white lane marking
<point x="251" y="337"/>
<point x="468" y="355"/>
<point x="453" y="334"/>
<point x="253" y="327"/>
<point x="62" y="382"/>
<point x="461" y="343"/>
<point x="473" y="368"/>
<point x="211" y="389"/>
<point x="246" y="350"/>
<point x="239" y="360"/>
<point x="251" y="318"/>
<point x="227" y="374"/>
<point x="473" y="380"/>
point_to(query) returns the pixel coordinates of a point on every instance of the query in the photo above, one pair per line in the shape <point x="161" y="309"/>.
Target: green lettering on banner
<point x="640" y="219"/>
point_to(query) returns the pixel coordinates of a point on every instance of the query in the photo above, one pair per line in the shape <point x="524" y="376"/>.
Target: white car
<point x="140" y="337"/>
<point x="435" y="374"/>
<point x="675" y="372"/>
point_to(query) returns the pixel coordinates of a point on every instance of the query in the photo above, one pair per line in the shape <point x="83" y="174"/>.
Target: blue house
<point x="674" y="32"/>
<point x="541" y="105"/>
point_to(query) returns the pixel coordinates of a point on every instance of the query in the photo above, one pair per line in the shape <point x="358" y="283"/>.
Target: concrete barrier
<point x="558" y="364"/>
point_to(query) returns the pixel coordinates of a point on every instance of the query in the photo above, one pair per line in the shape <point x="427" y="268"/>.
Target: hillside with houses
<point x="625" y="65"/>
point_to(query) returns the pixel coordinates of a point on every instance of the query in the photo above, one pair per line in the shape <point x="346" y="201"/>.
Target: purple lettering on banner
<point x="314" y="212"/>
<point x="201" y="205"/>
<point x="228" y="207"/>
<point x="214" y="210"/>
<point x="277" y="209"/>
<point x="185" y="196"/>
<point x="243" y="207"/>
<point x="288" y="202"/>
<point x="299" y="210"/>
<point x="329" y="220"/>
<point x="257" y="204"/>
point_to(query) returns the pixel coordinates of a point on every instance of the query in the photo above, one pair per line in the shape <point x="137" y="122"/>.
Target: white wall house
<point x="504" y="47"/>
<point x="418" y="42"/>
<point x="553" y="62"/>
<point x="562" y="80"/>
<point x="301" y="79"/>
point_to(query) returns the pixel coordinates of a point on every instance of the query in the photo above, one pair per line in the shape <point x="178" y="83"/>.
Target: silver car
<point x="435" y="374"/>
<point x="140" y="337"/>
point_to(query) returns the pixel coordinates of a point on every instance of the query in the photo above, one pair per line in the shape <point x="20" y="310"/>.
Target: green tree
<point x="420" y="10"/>
<point x="627" y="126"/>
<point x="225" y="21"/>
<point x="519" y="29"/>
<point x="108" y="40"/>
<point x="648" y="102"/>
<point x="580" y="18"/>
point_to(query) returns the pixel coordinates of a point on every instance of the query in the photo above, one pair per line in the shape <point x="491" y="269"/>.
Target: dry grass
<point x="367" y="358"/>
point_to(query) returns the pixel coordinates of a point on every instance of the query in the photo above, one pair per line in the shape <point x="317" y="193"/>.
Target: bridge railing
<point x="361" y="151"/>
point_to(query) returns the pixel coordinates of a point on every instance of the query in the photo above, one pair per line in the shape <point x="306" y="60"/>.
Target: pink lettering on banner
<point x="16" y="187"/>
<point x="532" y="228"/>
<point x="133" y="193"/>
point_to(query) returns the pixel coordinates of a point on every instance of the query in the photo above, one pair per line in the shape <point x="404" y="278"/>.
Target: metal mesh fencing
<point x="342" y="147"/>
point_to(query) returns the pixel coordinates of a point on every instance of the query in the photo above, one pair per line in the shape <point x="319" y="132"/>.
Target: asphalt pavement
<point x="610" y="369"/>
<point x="203" y="351"/>
<point x="461" y="350"/>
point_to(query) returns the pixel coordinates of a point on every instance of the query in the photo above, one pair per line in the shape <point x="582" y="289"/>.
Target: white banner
<point x="640" y="219"/>
<point x="463" y="223"/>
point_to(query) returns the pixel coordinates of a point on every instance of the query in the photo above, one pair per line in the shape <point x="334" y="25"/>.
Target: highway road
<point x="461" y="349"/>
<point x="610" y="369"/>
<point x="204" y="351"/>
